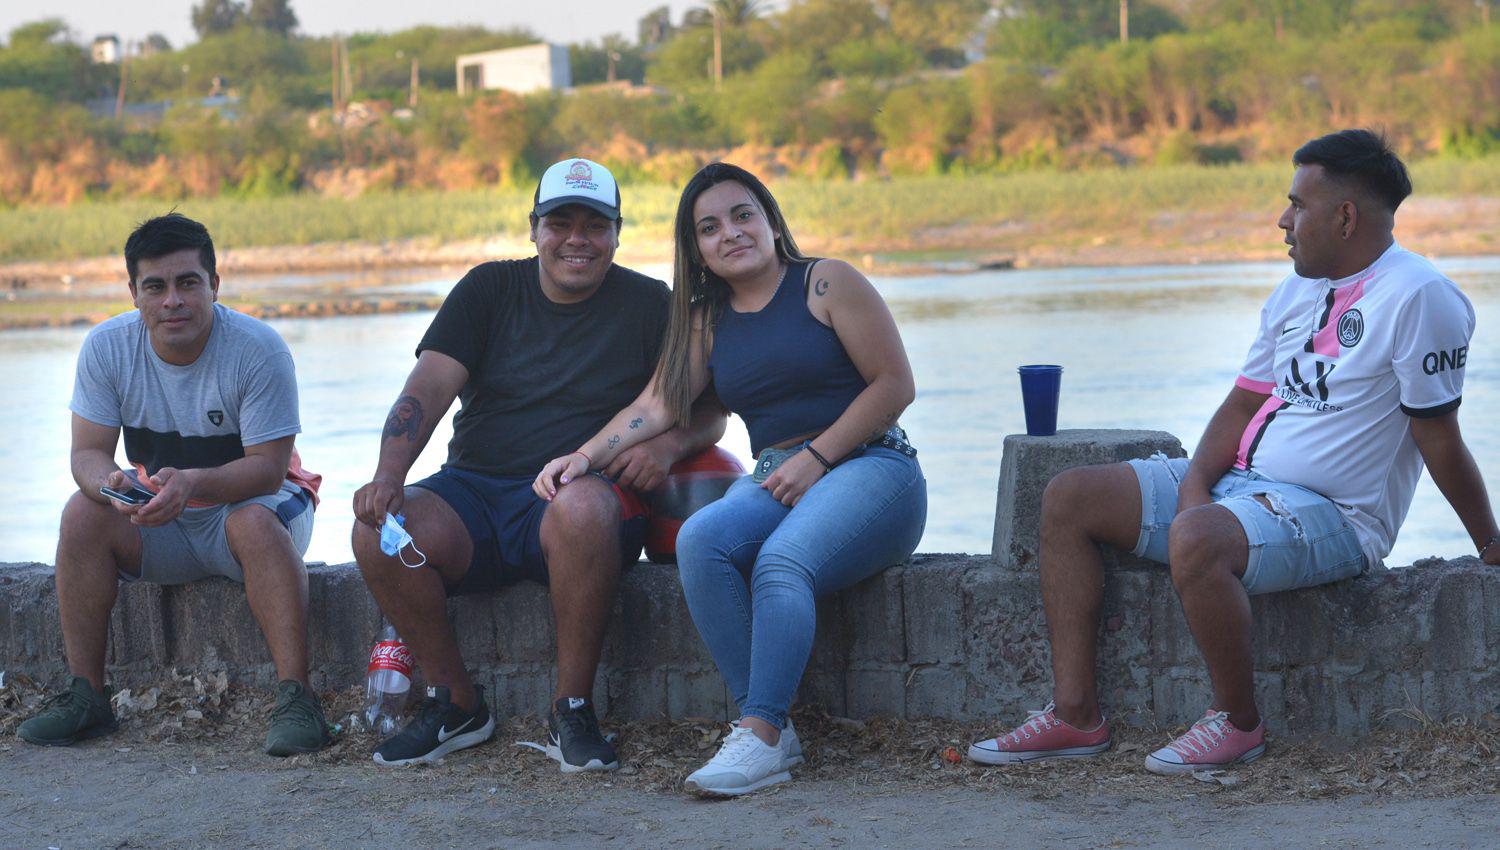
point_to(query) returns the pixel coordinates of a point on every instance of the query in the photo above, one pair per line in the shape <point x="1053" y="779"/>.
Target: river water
<point x="1142" y="347"/>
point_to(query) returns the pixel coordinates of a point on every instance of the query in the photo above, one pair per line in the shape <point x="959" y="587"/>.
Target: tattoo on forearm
<point x="636" y="423"/>
<point x="405" y="419"/>
<point x="614" y="440"/>
<point x="885" y="425"/>
<point x="821" y="287"/>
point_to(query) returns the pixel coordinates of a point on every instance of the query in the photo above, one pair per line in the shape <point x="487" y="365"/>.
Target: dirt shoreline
<point x="185" y="770"/>
<point x="44" y="293"/>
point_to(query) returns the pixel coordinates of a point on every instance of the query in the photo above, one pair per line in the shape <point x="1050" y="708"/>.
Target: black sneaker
<point x="75" y="714"/>
<point x="439" y="728"/>
<point x="574" y="739"/>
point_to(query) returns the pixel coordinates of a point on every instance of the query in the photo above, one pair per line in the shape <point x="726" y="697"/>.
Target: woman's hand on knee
<point x="557" y="472"/>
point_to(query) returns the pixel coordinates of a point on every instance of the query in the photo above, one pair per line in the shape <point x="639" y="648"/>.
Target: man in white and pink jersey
<point x="1303" y="475"/>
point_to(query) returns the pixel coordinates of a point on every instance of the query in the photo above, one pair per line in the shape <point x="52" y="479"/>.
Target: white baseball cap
<point x="578" y="181"/>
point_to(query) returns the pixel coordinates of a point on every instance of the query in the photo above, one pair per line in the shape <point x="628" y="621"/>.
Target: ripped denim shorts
<point x="1302" y="541"/>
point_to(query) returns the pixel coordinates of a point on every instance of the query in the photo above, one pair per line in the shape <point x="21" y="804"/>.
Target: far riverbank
<point x="53" y="260"/>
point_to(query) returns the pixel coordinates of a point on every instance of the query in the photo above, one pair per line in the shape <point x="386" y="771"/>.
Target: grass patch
<point x="896" y="209"/>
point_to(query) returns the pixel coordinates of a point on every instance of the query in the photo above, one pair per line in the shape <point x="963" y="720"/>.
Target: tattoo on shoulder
<point x="821" y="287"/>
<point x="614" y="440"/>
<point x="636" y="423"/>
<point x="405" y="419"/>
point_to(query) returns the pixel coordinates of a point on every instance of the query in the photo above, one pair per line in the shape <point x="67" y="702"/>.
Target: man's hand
<point x="796" y="475"/>
<point x="383" y="495"/>
<point x="174" y="487"/>
<point x="120" y="482"/>
<point x="1491" y="555"/>
<point x="641" y="467"/>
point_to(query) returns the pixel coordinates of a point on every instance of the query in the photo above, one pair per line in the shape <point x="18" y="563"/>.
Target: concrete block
<point x="941" y="691"/>
<point x="875" y="691"/>
<point x="524" y="632"/>
<point x="1030" y="462"/>
<point x="698" y="693"/>
<point x="1458" y="618"/>
<point x="475" y="626"/>
<point x="519" y="690"/>
<point x="636" y="694"/>
<point x="824" y="687"/>
<point x="932" y="617"/>
<point x="137" y="632"/>
<point x="874" y="619"/>
<point x="343" y="623"/>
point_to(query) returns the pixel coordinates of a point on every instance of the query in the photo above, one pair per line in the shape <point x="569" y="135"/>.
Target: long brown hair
<point x="695" y="287"/>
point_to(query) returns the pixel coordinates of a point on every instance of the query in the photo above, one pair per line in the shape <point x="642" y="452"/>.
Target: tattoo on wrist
<point x="405" y="419"/>
<point x="614" y="440"/>
<point x="636" y="423"/>
<point x="821" y="287"/>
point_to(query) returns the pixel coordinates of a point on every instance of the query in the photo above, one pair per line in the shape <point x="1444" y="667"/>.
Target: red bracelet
<point x="586" y="457"/>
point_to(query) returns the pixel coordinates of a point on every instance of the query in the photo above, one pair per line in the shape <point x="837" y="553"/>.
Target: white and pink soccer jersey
<point x="1347" y="363"/>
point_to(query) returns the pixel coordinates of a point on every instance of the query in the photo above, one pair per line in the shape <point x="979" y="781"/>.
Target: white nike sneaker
<point x="743" y="764"/>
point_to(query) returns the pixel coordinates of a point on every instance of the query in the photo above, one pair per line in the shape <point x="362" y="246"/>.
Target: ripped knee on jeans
<point x="1276" y="506"/>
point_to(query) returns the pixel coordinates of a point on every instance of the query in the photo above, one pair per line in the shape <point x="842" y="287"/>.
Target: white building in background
<point x="535" y="67"/>
<point x="106" y="50"/>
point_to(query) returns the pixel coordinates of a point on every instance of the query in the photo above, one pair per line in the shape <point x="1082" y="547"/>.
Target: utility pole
<point x="1484" y="11"/>
<point x="718" y="49"/>
<point x="124" y="76"/>
<point x="344" y="68"/>
<point x="416" y="81"/>
<point x="333" y="84"/>
<point x="1124" y="21"/>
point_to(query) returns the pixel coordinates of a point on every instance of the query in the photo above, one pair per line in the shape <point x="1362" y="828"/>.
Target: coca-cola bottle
<point x="388" y="683"/>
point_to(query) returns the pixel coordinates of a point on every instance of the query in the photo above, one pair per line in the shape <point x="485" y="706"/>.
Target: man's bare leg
<point x="275" y="586"/>
<point x="94" y="543"/>
<point x="581" y="542"/>
<point x="415" y="600"/>
<point x="1082" y="508"/>
<point x="1209" y="552"/>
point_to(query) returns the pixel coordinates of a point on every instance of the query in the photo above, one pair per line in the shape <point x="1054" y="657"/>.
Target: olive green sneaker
<point x="75" y="714"/>
<point x="297" y="724"/>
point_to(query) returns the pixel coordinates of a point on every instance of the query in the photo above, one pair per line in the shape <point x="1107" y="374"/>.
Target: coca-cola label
<point x="391" y="655"/>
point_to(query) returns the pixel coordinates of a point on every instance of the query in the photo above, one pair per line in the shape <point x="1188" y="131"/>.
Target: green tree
<point x="41" y="57"/>
<point x="611" y="58"/>
<point x="273" y="16"/>
<point x="212" y="17"/>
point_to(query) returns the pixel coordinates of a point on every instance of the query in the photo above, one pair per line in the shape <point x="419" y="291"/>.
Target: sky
<point x="566" y="22"/>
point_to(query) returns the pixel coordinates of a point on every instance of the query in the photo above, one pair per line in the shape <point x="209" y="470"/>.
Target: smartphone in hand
<point x="133" y="496"/>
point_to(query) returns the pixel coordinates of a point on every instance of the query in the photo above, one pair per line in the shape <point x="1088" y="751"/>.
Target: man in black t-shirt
<point x="541" y="352"/>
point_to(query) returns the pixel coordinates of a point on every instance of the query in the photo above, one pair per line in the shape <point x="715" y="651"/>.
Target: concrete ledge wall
<point x="952" y="636"/>
<point x="942" y="636"/>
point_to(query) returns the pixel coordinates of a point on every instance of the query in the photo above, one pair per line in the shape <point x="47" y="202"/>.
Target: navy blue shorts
<point x="504" y="520"/>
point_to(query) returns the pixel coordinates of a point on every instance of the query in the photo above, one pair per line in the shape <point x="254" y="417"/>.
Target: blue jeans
<point x="752" y="567"/>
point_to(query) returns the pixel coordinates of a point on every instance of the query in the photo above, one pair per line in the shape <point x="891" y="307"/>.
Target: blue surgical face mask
<point x="393" y="538"/>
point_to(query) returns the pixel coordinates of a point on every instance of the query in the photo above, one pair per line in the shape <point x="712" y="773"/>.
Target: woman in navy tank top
<point x="806" y="352"/>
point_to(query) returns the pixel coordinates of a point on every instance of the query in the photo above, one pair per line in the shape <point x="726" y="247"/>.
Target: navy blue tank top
<point x="783" y="371"/>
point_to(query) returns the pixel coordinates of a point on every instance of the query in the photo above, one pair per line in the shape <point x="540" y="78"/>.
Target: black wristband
<point x="823" y="460"/>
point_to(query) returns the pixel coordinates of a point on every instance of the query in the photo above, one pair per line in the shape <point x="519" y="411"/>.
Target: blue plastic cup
<point x="1039" y="389"/>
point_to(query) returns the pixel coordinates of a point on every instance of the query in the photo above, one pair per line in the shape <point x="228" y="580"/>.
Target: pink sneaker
<point x="1212" y="743"/>
<point x="1042" y="736"/>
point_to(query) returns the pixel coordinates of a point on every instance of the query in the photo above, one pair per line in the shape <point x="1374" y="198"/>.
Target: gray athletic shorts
<point x="194" y="545"/>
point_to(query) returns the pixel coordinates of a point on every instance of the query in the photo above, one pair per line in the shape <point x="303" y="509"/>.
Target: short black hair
<point x="168" y="234"/>
<point x="1362" y="156"/>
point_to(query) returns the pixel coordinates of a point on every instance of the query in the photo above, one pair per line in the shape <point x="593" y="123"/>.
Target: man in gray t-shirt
<point x="207" y="400"/>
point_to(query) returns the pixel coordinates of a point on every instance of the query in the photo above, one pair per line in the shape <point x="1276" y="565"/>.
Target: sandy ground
<point x="187" y="772"/>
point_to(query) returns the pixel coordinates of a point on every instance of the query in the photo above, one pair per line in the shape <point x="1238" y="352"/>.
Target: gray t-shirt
<point x="241" y="391"/>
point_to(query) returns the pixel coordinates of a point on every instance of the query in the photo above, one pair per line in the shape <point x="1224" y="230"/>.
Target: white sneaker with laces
<point x="791" y="746"/>
<point x="743" y="764"/>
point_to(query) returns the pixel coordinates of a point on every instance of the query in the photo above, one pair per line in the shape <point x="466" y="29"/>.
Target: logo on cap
<point x="580" y="176"/>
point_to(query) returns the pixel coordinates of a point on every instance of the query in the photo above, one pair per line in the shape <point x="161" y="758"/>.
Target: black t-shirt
<point x="543" y="376"/>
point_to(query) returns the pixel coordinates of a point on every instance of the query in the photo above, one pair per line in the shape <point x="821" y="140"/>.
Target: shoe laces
<point x="579" y="721"/>
<point x="740" y="744"/>
<point x="298" y="708"/>
<point x="1205" y="735"/>
<point x="1036" y="723"/>
<point x="61" y="704"/>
